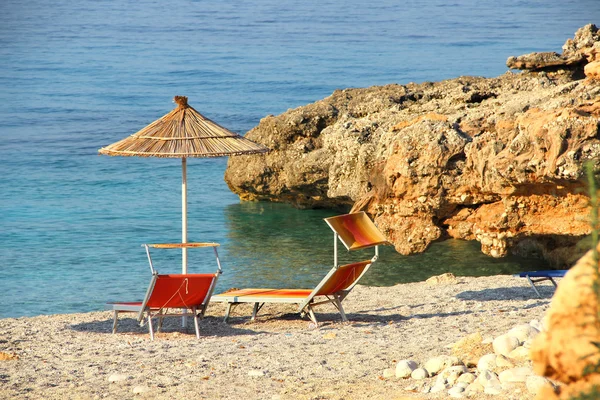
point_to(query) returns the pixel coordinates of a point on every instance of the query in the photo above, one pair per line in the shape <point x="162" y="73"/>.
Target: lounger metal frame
<point x="145" y="313"/>
<point x="307" y="303"/>
<point x="534" y="277"/>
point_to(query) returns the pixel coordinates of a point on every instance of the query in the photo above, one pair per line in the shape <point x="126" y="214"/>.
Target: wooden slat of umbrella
<point x="183" y="132"/>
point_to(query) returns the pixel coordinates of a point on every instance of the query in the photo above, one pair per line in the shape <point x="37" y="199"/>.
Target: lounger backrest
<point x="180" y="290"/>
<point x="356" y="230"/>
<point x="342" y="278"/>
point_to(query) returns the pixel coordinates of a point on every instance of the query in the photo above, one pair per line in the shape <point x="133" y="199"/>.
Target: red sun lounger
<point x="173" y="295"/>
<point x="355" y="231"/>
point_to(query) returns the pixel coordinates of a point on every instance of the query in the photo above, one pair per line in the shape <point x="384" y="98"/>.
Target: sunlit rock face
<point x="497" y="160"/>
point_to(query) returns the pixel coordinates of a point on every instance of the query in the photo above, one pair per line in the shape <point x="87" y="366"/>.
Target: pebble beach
<point x="278" y="356"/>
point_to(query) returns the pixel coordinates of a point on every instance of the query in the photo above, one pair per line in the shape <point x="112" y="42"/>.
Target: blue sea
<point x="78" y="75"/>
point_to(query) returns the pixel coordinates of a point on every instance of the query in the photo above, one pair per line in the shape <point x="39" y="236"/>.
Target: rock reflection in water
<point x="276" y="245"/>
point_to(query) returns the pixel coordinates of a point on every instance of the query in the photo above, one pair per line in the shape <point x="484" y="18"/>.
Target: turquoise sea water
<point x="76" y="76"/>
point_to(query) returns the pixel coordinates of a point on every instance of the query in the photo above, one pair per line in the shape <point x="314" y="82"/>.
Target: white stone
<point x="256" y="373"/>
<point x="504" y="344"/>
<point x="434" y="365"/>
<point x="426" y="389"/>
<point x="140" y="389"/>
<point x="456" y="392"/>
<point x="523" y="332"/>
<point x="467" y="378"/>
<point x="537" y="324"/>
<point x="503" y="362"/>
<point x="405" y="367"/>
<point x="440" y="380"/>
<point x="488" y="378"/>
<point x="439" y="387"/>
<point x="451" y="374"/>
<point x="535" y="383"/>
<point x="463" y="385"/>
<point x="520" y="354"/>
<point x="487" y="362"/>
<point x="389" y="373"/>
<point x="118" y="378"/>
<point x="474" y="387"/>
<point x="420" y="373"/>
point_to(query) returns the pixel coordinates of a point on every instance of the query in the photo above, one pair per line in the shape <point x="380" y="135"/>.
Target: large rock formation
<point x="498" y="160"/>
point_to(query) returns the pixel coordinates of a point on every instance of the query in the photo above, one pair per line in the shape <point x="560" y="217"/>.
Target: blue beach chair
<point x="534" y="277"/>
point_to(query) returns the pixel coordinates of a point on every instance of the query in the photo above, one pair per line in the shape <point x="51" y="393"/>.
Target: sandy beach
<point x="278" y="356"/>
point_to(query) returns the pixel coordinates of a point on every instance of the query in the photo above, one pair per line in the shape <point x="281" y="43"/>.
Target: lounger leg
<point x="150" y="327"/>
<point x="195" y="311"/>
<point x="228" y="311"/>
<point x="533" y="286"/>
<point x="338" y="304"/>
<point x="160" y="320"/>
<point x="115" y="316"/>
<point x="311" y="315"/>
<point x="254" y="311"/>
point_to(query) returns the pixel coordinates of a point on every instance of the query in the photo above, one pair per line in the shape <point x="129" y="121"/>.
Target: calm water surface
<point x="76" y="76"/>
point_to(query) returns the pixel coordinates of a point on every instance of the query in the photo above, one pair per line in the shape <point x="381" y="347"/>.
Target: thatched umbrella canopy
<point x="183" y="133"/>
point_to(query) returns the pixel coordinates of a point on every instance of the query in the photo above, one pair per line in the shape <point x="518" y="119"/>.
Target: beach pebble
<point x="474" y="387"/>
<point x="456" y="392"/>
<point x="488" y="378"/>
<point x="451" y="374"/>
<point x="519" y="374"/>
<point x="443" y="279"/>
<point x="439" y="387"/>
<point x="405" y="368"/>
<point x="389" y="373"/>
<point x="493" y="389"/>
<point x="487" y="362"/>
<point x="520" y="354"/>
<point x="118" y="378"/>
<point x="420" y="373"/>
<point x="140" y="389"/>
<point x="463" y="385"/>
<point x="535" y="383"/>
<point x="436" y="364"/>
<point x="426" y="389"/>
<point x="537" y="324"/>
<point x="467" y="378"/>
<point x="523" y="332"/>
<point x="503" y="362"/>
<point x="256" y="373"/>
<point x="504" y="344"/>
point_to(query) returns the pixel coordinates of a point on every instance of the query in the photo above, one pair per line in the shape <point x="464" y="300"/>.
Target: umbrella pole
<point x="183" y="224"/>
<point x="184" y="263"/>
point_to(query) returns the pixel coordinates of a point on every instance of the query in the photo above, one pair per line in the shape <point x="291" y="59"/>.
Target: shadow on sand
<point x="209" y="326"/>
<point x="508" y="293"/>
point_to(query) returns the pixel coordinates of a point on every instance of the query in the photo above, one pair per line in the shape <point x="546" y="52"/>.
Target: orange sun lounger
<point x="173" y="295"/>
<point x="355" y="231"/>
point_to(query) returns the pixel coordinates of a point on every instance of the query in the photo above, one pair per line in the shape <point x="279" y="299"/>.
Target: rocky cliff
<point x="497" y="160"/>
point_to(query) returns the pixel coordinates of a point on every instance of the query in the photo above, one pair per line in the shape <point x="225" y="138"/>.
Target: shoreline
<point x="278" y="356"/>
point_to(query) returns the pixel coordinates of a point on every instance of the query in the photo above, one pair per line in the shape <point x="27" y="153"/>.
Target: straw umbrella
<point x="183" y="133"/>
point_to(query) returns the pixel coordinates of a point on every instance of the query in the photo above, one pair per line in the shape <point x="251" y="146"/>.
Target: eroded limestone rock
<point x="497" y="160"/>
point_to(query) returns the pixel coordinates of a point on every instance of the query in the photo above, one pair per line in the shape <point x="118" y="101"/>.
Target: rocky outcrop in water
<point x="497" y="160"/>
